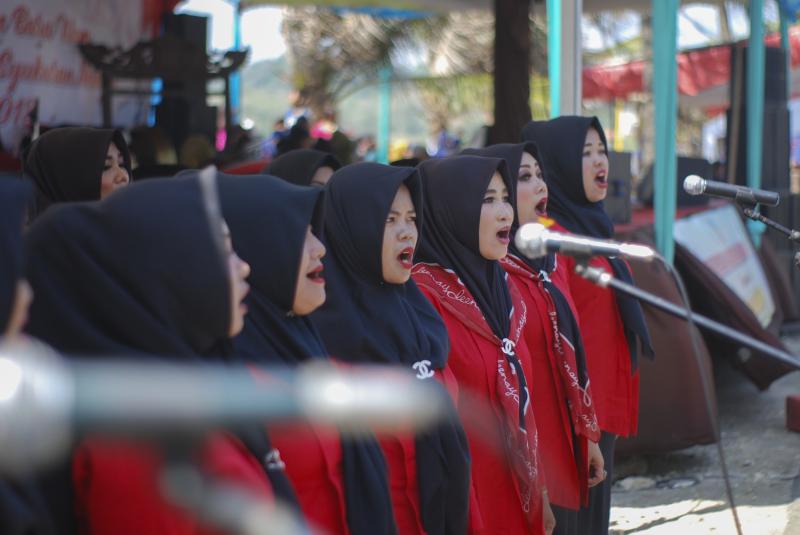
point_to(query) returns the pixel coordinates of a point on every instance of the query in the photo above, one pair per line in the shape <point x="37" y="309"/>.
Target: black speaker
<point x="775" y="89"/>
<point x="185" y="112"/>
<point x="775" y="151"/>
<point x="686" y="166"/>
<point x="618" y="200"/>
<point x="190" y="28"/>
<point x="776" y="135"/>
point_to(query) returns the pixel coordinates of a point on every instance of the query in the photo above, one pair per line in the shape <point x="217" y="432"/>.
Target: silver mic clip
<point x="594" y="275"/>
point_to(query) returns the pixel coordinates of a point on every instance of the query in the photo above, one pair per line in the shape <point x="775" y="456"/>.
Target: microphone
<point x="47" y="401"/>
<point x="534" y="241"/>
<point x="695" y="185"/>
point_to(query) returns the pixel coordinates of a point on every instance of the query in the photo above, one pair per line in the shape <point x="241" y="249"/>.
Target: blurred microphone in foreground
<point x="535" y="241"/>
<point x="46" y="402"/>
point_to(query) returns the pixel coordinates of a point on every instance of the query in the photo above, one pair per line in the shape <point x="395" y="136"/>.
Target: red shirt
<point x="400" y="453"/>
<point x="615" y="386"/>
<point x="565" y="469"/>
<point x="117" y="485"/>
<point x="474" y="359"/>
<point x="313" y="458"/>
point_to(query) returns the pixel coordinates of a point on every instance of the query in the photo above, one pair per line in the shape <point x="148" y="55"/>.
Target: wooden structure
<point x="166" y="57"/>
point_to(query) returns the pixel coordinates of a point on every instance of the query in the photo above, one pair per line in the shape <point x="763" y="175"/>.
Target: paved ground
<point x="683" y="492"/>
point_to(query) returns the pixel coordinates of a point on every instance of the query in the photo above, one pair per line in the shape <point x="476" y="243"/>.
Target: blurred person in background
<point x="197" y="152"/>
<point x="304" y="167"/>
<point x="76" y="164"/>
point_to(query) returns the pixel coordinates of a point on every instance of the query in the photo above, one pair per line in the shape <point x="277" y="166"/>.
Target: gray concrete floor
<point x="683" y="492"/>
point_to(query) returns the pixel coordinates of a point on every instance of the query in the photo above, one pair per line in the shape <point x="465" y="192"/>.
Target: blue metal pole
<point x="384" y="114"/>
<point x="665" y="100"/>
<point x="755" y="105"/>
<point x="235" y="78"/>
<point x="554" y="55"/>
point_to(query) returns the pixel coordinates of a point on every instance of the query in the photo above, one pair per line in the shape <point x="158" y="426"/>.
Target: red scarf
<point x="579" y="398"/>
<point x="521" y="436"/>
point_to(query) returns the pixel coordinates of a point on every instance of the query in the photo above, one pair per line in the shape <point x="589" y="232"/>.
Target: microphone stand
<point x="605" y="280"/>
<point x="791" y="235"/>
<point x="226" y="506"/>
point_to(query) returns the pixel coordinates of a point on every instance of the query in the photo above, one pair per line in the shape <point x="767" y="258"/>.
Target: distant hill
<point x="266" y="88"/>
<point x="265" y="92"/>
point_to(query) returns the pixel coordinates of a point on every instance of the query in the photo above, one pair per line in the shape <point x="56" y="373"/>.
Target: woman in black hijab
<point x="304" y="167"/>
<point x="76" y="164"/>
<point x="565" y="416"/>
<point x="15" y="292"/>
<point x="147" y="272"/>
<point x="22" y="508"/>
<point x="340" y="484"/>
<point x="375" y="314"/>
<point x="575" y="157"/>
<point x="468" y="204"/>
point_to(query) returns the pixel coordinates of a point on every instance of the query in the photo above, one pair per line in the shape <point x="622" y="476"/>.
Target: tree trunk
<point x="647" y="112"/>
<point x="512" y="64"/>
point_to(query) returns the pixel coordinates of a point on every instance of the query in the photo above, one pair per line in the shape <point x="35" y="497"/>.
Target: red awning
<point x="698" y="70"/>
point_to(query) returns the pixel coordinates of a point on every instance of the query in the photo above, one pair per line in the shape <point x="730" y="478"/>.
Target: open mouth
<point x="601" y="180"/>
<point x="315" y="275"/>
<point x="504" y="235"/>
<point x="541" y="207"/>
<point x="406" y="257"/>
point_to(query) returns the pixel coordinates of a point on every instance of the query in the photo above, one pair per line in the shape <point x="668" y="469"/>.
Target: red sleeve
<point x="476" y="525"/>
<point x="117" y="485"/>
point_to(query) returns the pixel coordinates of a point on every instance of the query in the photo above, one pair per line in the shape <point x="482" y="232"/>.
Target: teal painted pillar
<point x="786" y="46"/>
<point x="384" y="114"/>
<point x="554" y="55"/>
<point x="665" y="100"/>
<point x="236" y="82"/>
<point x="755" y="105"/>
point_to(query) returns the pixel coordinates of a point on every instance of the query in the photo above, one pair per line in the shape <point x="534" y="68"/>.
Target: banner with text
<point x="40" y="62"/>
<point x="720" y="240"/>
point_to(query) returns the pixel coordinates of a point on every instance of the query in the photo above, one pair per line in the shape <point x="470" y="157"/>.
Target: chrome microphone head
<point x="694" y="185"/>
<point x="530" y="240"/>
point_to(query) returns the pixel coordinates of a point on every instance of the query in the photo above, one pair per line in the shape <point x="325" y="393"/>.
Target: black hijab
<point x="66" y="164"/>
<point x="298" y="166"/>
<point x="567" y="324"/>
<point x="453" y="190"/>
<point x="512" y="154"/>
<point x="141" y="272"/>
<point x="268" y="219"/>
<point x="561" y="142"/>
<point x="453" y="193"/>
<point x="14" y="196"/>
<point x="22" y="509"/>
<point x="367" y="320"/>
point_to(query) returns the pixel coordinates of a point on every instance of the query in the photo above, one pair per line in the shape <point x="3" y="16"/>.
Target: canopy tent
<point x="700" y="71"/>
